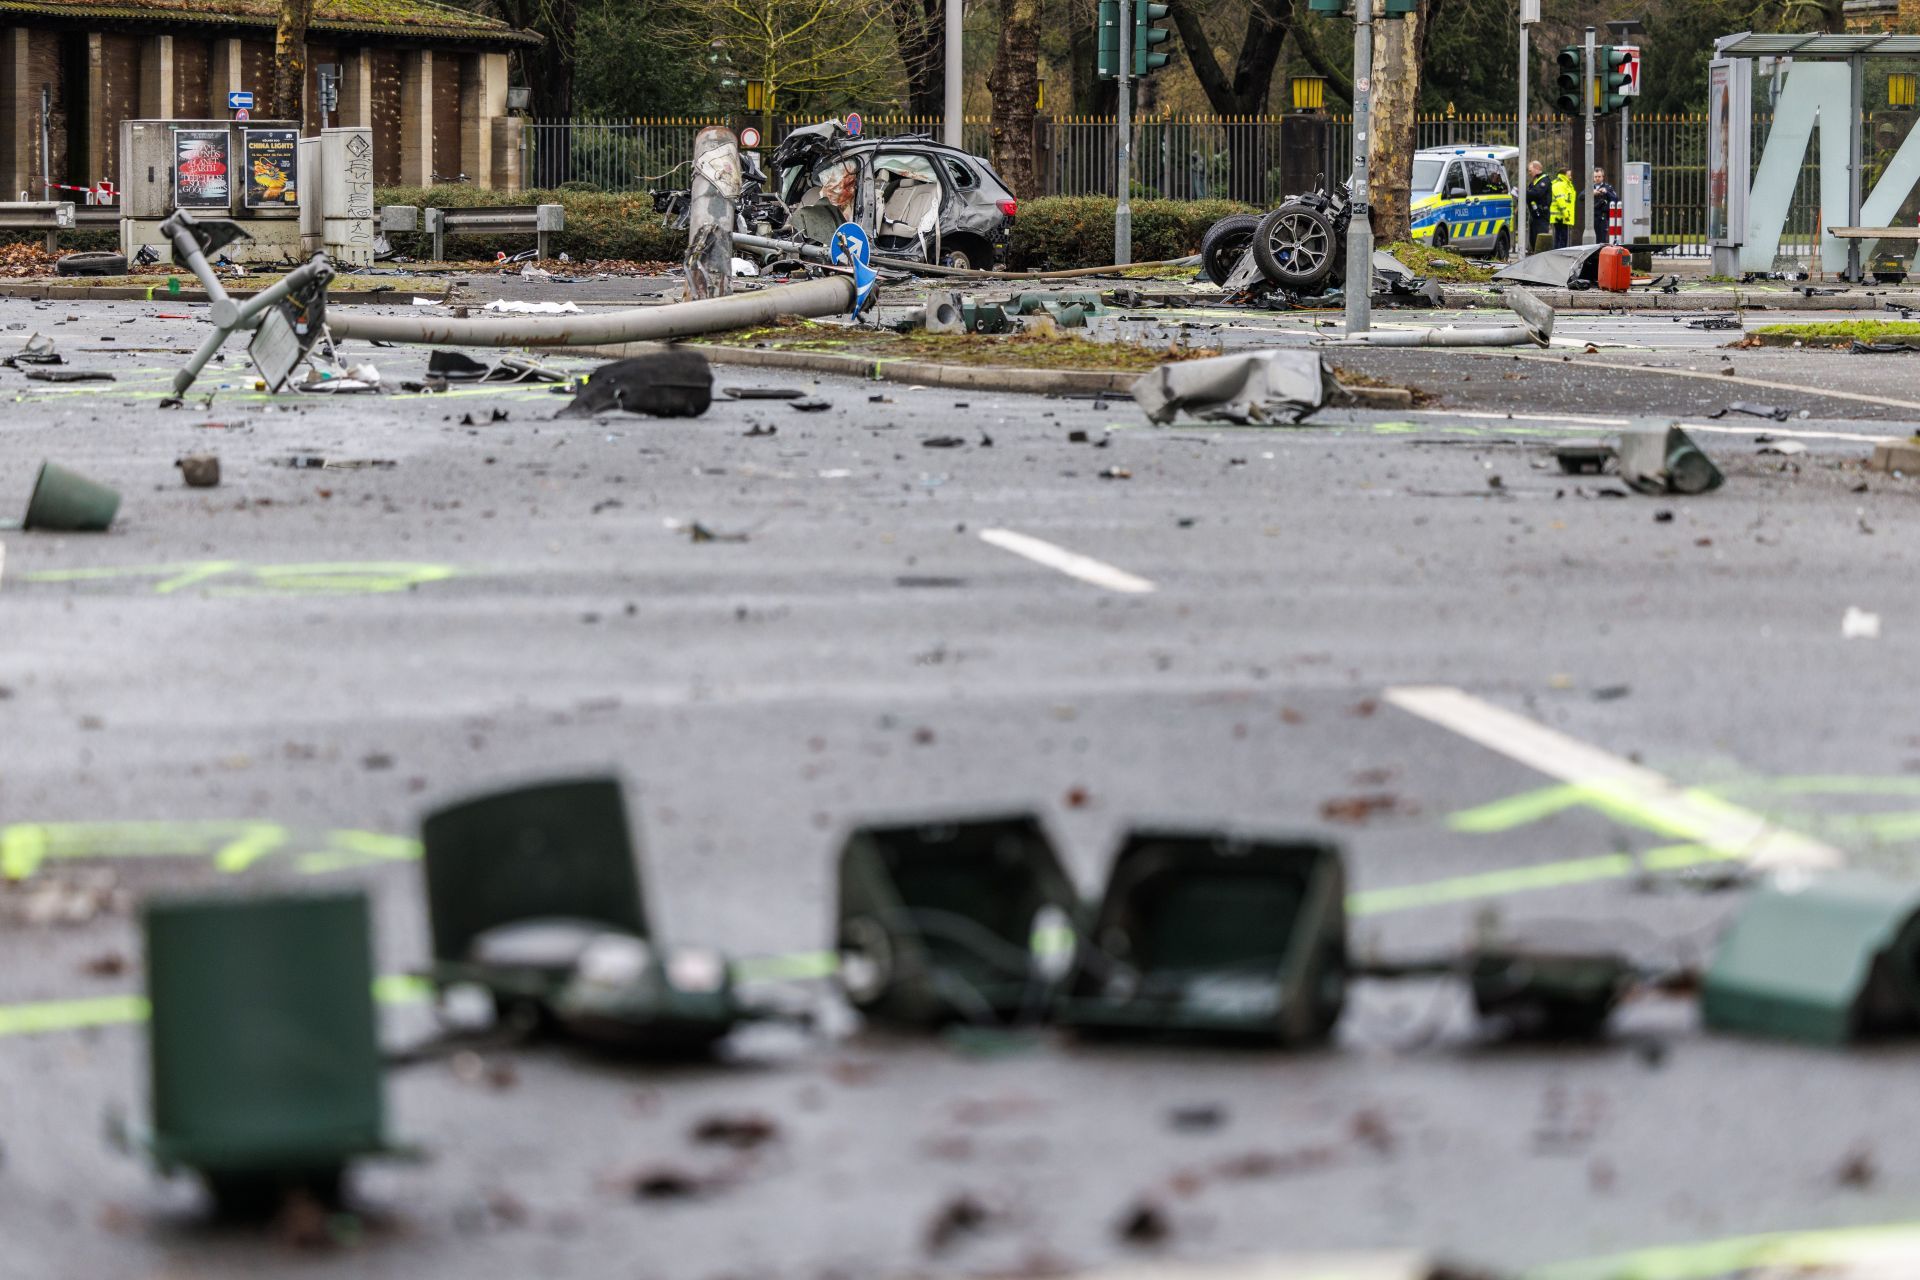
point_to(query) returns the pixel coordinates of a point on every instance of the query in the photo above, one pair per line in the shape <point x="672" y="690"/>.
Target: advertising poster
<point x="202" y="172"/>
<point x="1719" y="154"/>
<point x="272" y="168"/>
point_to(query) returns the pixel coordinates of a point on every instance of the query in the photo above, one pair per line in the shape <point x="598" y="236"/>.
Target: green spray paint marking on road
<point x="232" y="846"/>
<point x="1777" y="1253"/>
<point x="237" y="578"/>
<point x="110" y="1011"/>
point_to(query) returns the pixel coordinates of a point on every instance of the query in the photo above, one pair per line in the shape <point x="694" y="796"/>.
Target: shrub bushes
<point x="1060" y="232"/>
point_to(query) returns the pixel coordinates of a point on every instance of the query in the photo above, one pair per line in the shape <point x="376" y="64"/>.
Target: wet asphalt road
<point x="230" y="684"/>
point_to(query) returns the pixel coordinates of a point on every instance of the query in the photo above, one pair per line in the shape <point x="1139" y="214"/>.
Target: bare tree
<point x="290" y="60"/>
<point x="920" y="31"/>
<point x="801" y="51"/>
<point x="1015" y="83"/>
<point x="1244" y="92"/>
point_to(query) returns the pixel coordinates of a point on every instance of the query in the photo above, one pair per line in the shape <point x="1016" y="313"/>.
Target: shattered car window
<point x="891" y="167"/>
<point x="961" y="175"/>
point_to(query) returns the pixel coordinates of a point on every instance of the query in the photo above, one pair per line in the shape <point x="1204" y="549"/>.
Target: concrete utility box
<point x="1636" y="194"/>
<point x="246" y="170"/>
<point x="346" y="194"/>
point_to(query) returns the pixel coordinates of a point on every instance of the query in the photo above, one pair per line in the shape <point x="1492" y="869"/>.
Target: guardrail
<point x="541" y="221"/>
<point x="50" y="216"/>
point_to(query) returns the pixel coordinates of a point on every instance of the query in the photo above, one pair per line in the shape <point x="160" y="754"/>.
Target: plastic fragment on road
<point x="1827" y="959"/>
<point x="1546" y="992"/>
<point x="1215" y="934"/>
<point x="1583" y="457"/>
<point x="1664" y="459"/>
<point x="675" y="382"/>
<point x="1574" y="267"/>
<point x="199" y="470"/>
<point x="1254" y="387"/>
<point x="37" y="349"/>
<point x="265" y="1061"/>
<point x="948" y="920"/>
<point x="1857" y="624"/>
<point x="502" y="306"/>
<point x="534" y="895"/>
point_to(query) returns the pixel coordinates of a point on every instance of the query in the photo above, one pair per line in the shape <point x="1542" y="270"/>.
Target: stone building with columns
<point x="429" y="79"/>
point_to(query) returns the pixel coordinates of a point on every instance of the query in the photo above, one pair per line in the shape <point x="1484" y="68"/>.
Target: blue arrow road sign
<point x="240" y="99"/>
<point x="852" y="248"/>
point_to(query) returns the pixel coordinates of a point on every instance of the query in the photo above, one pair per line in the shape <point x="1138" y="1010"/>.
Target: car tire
<point x="1439" y="235"/>
<point x="1294" y="246"/>
<point x="1224" y="242"/>
<point x="92" y="264"/>
<point x="1502" y="247"/>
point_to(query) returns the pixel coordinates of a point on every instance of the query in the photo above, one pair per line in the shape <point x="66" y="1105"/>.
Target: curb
<point x="927" y="373"/>
<point x="35" y="292"/>
<point x="1717" y="300"/>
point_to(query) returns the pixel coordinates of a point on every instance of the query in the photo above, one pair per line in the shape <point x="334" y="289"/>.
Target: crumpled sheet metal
<point x="1556" y="268"/>
<point x="1248" y="387"/>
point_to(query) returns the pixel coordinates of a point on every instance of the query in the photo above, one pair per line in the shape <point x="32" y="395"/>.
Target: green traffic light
<point x="1108" y="19"/>
<point x="1146" y="35"/>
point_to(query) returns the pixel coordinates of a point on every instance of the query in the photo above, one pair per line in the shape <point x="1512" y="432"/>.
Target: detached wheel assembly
<point x="1295" y="246"/>
<point x="92" y="264"/>
<point x="1224" y="242"/>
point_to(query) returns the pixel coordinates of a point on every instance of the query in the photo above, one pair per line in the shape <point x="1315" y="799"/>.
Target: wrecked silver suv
<point x="917" y="198"/>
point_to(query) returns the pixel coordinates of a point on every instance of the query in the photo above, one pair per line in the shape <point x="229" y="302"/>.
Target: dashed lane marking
<point x="1687" y="813"/>
<point x="1071" y="563"/>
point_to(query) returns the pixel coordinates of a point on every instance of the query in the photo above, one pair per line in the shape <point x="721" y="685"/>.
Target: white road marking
<point x="1687" y="813"/>
<point x="1071" y="563"/>
<point x="1734" y="380"/>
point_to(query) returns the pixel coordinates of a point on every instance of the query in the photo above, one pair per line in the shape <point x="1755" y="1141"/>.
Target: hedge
<point x="600" y="225"/>
<point x="1059" y="232"/>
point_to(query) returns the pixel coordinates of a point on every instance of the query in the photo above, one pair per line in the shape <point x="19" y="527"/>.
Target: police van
<point x="1463" y="199"/>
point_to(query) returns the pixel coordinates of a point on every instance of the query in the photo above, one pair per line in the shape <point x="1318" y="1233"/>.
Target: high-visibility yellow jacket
<point x="1565" y="195"/>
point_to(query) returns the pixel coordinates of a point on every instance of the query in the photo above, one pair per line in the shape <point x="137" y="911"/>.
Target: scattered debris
<point x="942" y="442"/>
<point x="1197" y="1118"/>
<point x="757" y="431"/>
<point x="697" y="532"/>
<point x="812" y="406"/>
<point x="1665" y="460"/>
<point x="1858" y="1169"/>
<point x="1857" y="624"/>
<point x="1255" y="387"/>
<point x="672" y="383"/>
<point x="1774" y="412"/>
<point x="762" y="393"/>
<point x="743" y="1132"/>
<point x="70" y="375"/>
<point x="455" y="366"/>
<point x="666" y="1182"/>
<point x="1785" y="448"/>
<point x="1714" y="323"/>
<point x="1356" y="810"/>
<point x="37" y="349"/>
<point x="957" y="1219"/>
<point x="501" y="306"/>
<point x="1115" y="473"/>
<point x="199" y="470"/>
<point x="1145" y="1223"/>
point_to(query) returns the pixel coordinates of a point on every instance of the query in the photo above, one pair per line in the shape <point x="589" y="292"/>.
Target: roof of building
<point x="415" y="19"/>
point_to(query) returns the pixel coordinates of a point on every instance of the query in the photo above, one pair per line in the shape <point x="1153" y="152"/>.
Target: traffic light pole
<point x="1523" y="242"/>
<point x="1123" y="211"/>
<point x="1586" y="178"/>
<point x="1359" y="221"/>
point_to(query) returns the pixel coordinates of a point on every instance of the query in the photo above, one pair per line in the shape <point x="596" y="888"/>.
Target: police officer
<point x="1604" y="198"/>
<point x="1539" y="201"/>
<point x="1565" y="199"/>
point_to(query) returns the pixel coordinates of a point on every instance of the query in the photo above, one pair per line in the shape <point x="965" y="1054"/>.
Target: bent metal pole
<point x="830" y="295"/>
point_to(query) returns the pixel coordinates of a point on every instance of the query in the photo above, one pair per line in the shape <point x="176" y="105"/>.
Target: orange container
<point x="1616" y="268"/>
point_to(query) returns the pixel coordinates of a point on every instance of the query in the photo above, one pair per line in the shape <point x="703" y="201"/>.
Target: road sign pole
<point x="1359" y="224"/>
<point x="1123" y="211"/>
<point x="1586" y="236"/>
<point x="955" y="31"/>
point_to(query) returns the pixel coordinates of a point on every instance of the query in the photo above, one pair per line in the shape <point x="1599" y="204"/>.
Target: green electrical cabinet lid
<point x="938" y="919"/>
<point x="264" y="1050"/>
<point x="556" y="851"/>
<point x="1215" y="933"/>
<point x="1827" y="959"/>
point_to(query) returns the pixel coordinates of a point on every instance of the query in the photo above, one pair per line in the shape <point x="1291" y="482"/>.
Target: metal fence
<point x="1183" y="157"/>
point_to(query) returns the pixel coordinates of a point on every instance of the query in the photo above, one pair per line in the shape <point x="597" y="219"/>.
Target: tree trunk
<point x="1268" y="22"/>
<point x="290" y="60"/>
<point x="920" y="31"/>
<point x="1015" y="84"/>
<point x="1396" y="91"/>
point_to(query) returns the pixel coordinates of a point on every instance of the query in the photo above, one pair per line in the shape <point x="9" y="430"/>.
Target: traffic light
<point x="1616" y="76"/>
<point x="1572" y="81"/>
<point x="1146" y="35"/>
<point x="1109" y="22"/>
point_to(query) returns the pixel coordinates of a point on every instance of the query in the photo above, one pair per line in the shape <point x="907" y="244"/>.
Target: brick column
<point x="156" y="78"/>
<point x="224" y="74"/>
<point x="356" y="89"/>
<point x="483" y="98"/>
<point x="416" y="118"/>
<point x="508" y="134"/>
<point x="20" y="143"/>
